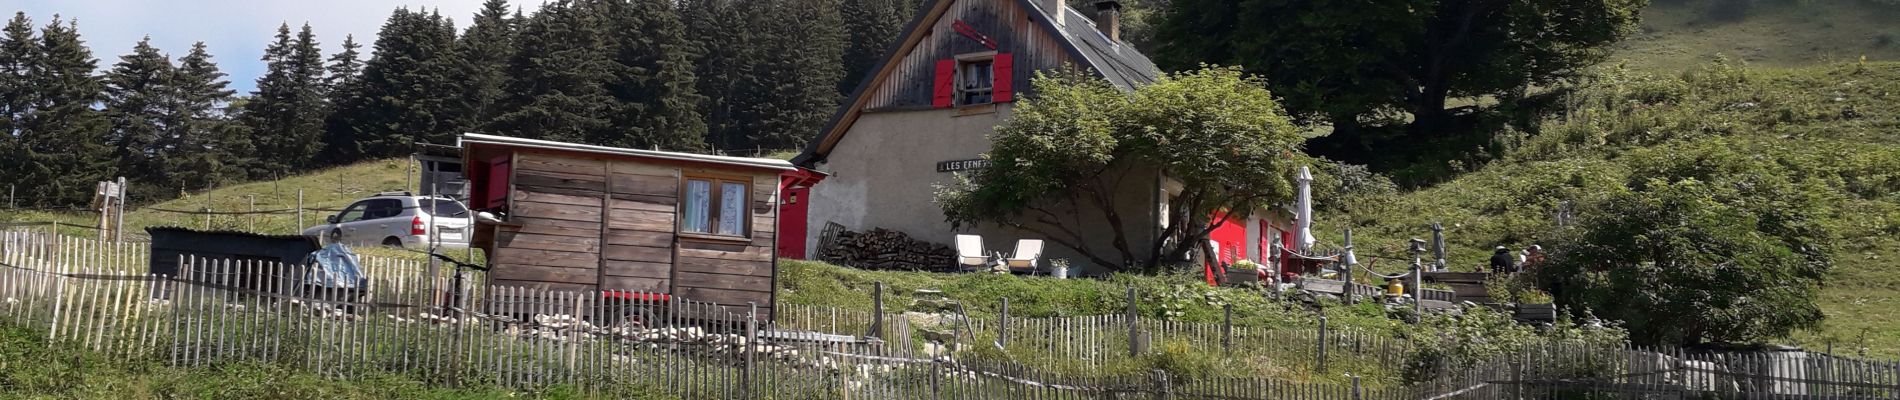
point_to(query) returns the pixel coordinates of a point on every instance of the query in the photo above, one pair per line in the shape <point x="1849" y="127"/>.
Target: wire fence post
<point x="250" y="220"/>
<point x="207" y="213"/>
<point x="299" y="226"/>
<point x="12" y="202"/>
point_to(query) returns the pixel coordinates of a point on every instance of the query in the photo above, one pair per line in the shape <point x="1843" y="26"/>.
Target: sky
<point x="235" y="31"/>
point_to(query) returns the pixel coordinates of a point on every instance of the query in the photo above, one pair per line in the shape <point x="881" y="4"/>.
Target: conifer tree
<point x="137" y="91"/>
<point x="285" y="113"/>
<point x="408" y="86"/>
<point x="481" y="60"/>
<point x="18" y="50"/>
<point x="871" y="26"/>
<point x="555" y="90"/>
<point x="801" y="77"/>
<point x="201" y="146"/>
<point x="655" y="101"/>
<point x="344" y="83"/>
<point x="60" y="147"/>
<point x="727" y="57"/>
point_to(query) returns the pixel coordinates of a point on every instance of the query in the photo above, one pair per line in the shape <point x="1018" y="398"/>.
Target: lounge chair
<point x="1027" y="251"/>
<point x="970" y="253"/>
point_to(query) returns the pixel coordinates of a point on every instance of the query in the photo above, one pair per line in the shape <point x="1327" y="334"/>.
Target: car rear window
<point x="443" y="207"/>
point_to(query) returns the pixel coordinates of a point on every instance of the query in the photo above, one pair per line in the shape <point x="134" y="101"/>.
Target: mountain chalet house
<point x="925" y="114"/>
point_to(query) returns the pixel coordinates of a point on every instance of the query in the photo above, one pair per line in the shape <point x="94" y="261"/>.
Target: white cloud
<point x="236" y="31"/>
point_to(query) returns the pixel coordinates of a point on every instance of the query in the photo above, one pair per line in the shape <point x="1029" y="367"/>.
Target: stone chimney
<point x="1058" y="11"/>
<point x="1108" y="18"/>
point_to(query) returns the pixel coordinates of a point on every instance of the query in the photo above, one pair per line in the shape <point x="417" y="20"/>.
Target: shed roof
<point x="749" y="162"/>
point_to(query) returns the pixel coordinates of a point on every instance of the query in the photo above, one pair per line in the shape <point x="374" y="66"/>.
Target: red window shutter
<point x="498" y="184"/>
<point x="1004" y="84"/>
<point x="946" y="84"/>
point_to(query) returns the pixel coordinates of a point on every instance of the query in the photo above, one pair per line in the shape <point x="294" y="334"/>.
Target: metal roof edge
<point x="767" y="163"/>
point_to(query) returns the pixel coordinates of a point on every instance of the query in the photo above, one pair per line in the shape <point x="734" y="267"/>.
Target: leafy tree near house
<point x="285" y="114"/>
<point x="1709" y="244"/>
<point x="1216" y="130"/>
<point x="1347" y="61"/>
<point x="60" y="152"/>
<point x="138" y="89"/>
<point x="201" y="145"/>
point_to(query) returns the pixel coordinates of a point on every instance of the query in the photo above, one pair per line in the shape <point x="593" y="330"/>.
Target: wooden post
<point x="118" y="223"/>
<point x="250" y="220"/>
<point x="1134" y="330"/>
<point x="1355" y="388"/>
<point x="1227" y="329"/>
<point x="877" y="310"/>
<point x="1163" y="389"/>
<point x="1321" y="366"/>
<point x="12" y="202"/>
<point x="751" y="344"/>
<point x="1346" y="262"/>
<point x="1002" y="326"/>
<point x="300" y="225"/>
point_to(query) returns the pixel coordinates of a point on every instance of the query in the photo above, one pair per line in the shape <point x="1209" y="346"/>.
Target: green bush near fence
<point x="32" y="368"/>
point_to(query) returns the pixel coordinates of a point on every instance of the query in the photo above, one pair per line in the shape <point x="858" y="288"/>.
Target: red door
<point x="791" y="221"/>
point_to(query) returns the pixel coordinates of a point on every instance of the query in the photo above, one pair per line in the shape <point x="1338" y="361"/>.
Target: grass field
<point x="1677" y="34"/>
<point x="1836" y="127"/>
<point x="328" y="188"/>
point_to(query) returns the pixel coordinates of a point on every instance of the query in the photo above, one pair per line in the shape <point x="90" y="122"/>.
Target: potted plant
<point x="1243" y="272"/>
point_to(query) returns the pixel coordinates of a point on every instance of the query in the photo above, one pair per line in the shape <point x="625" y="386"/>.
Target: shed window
<point x="714" y="206"/>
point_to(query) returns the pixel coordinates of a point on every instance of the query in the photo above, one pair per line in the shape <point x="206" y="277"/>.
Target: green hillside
<point x="1832" y="129"/>
<point x="1677" y="34"/>
<point x="328" y="188"/>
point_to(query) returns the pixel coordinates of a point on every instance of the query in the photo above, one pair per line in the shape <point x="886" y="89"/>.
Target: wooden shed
<point x="581" y="217"/>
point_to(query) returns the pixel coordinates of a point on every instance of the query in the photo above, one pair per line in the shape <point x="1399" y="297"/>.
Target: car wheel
<point x="335" y="236"/>
<point x="392" y="242"/>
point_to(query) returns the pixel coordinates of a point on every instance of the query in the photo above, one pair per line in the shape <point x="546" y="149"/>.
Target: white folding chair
<point x="1027" y="251"/>
<point x="970" y="252"/>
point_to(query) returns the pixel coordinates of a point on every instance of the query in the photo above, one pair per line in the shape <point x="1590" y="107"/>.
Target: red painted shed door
<point x="792" y="209"/>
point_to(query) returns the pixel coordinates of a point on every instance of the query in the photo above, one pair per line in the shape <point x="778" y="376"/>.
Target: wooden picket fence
<point x="610" y="344"/>
<point x="220" y="313"/>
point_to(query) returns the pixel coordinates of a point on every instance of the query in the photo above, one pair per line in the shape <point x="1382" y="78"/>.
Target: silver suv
<point x="398" y="219"/>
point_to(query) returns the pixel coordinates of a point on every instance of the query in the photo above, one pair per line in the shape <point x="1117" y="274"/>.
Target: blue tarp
<point x="335" y="266"/>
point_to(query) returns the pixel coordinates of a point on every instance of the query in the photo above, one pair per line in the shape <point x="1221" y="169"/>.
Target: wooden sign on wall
<point x="962" y="165"/>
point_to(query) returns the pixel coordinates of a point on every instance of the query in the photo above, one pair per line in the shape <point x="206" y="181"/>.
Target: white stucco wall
<point x="883" y="175"/>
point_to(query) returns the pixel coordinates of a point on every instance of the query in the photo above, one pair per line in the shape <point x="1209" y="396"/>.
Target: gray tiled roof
<point x="1120" y="63"/>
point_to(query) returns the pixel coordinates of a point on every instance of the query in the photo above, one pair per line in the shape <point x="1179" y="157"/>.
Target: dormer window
<point x="976" y="81"/>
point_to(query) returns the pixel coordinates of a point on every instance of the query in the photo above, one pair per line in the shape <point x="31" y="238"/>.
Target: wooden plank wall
<point x="1004" y="21"/>
<point x="586" y="223"/>
<point x="553" y="240"/>
<point x="639" y="253"/>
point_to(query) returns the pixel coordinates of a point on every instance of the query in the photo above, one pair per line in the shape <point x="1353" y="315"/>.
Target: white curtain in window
<point x="698" y="200"/>
<point x="732" y="209"/>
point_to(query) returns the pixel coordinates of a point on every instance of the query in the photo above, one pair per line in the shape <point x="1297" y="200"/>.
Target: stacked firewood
<point x="884" y="249"/>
